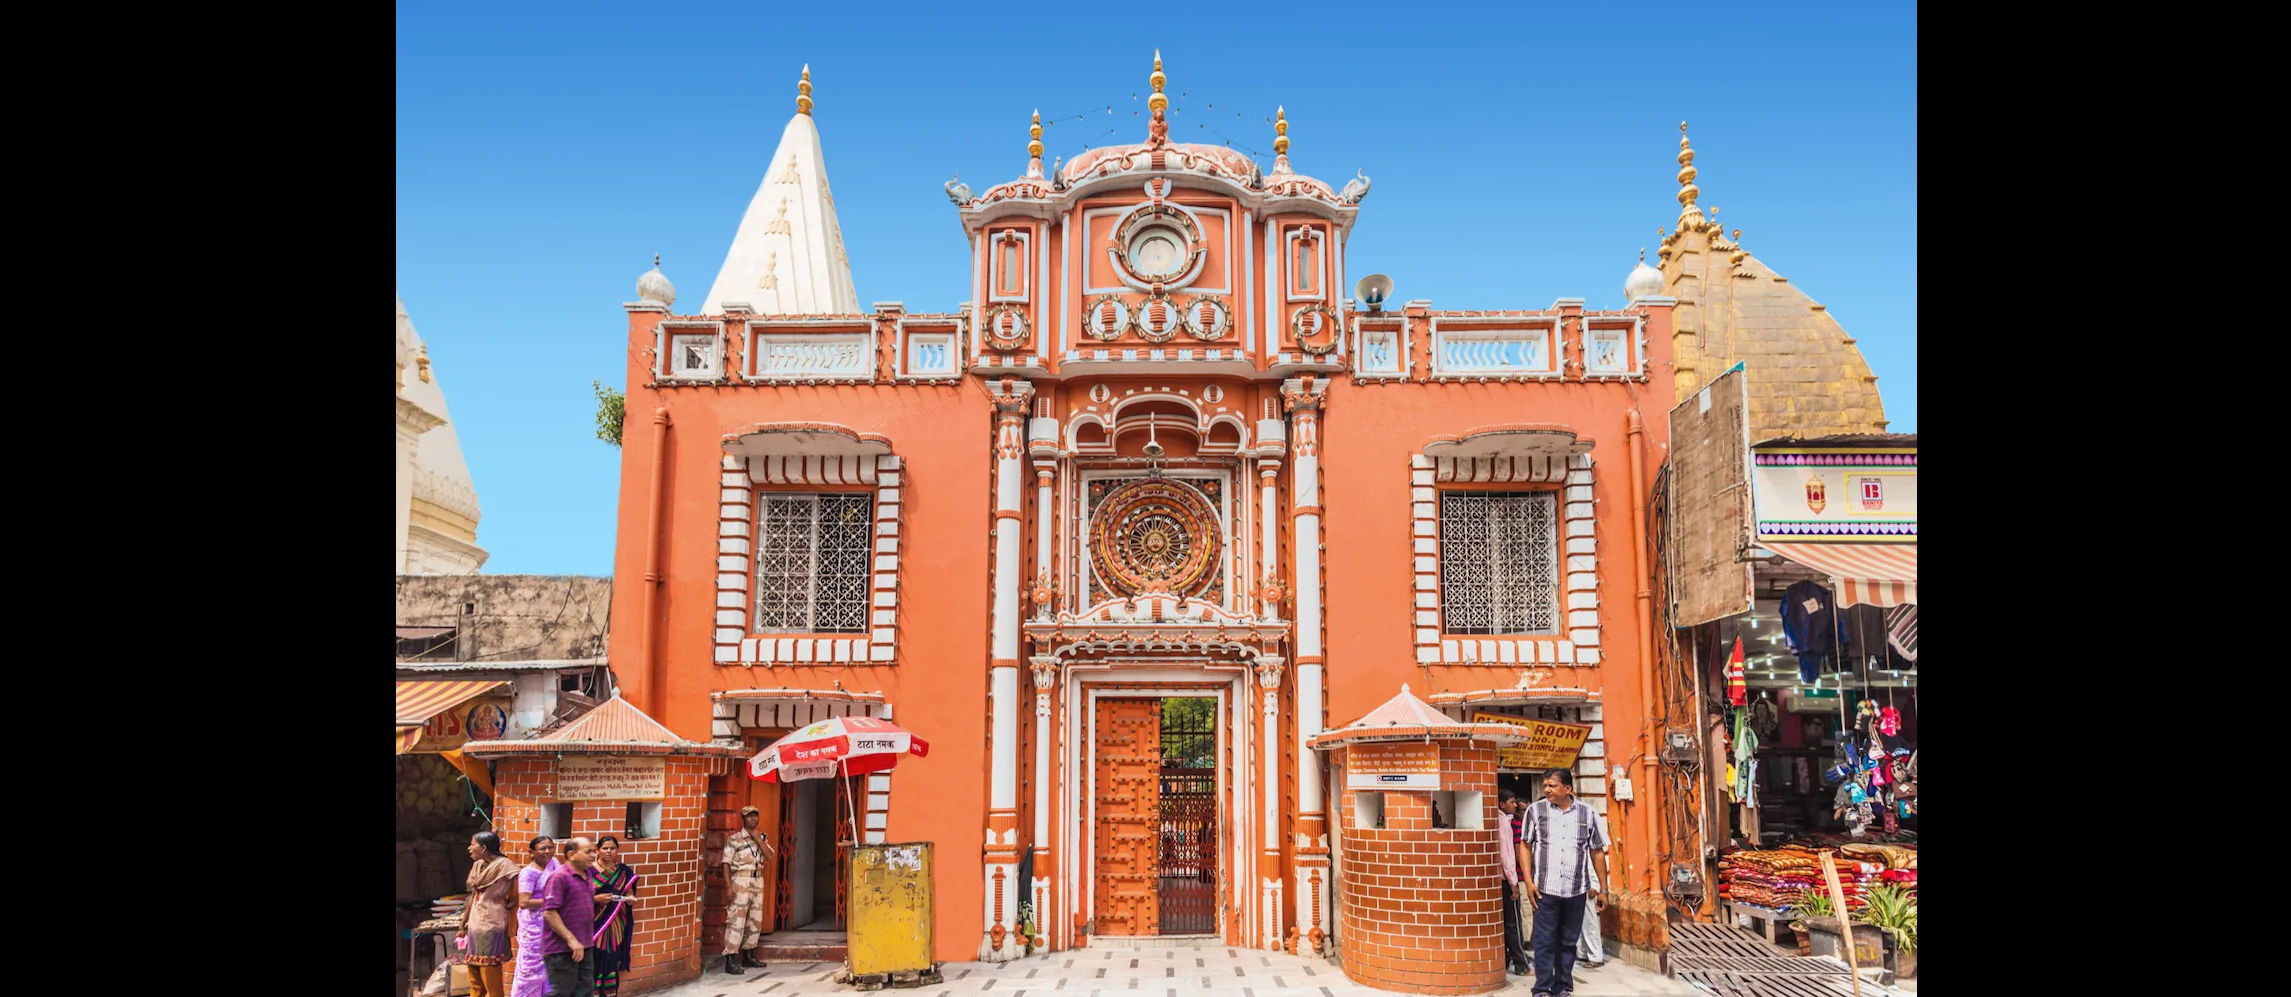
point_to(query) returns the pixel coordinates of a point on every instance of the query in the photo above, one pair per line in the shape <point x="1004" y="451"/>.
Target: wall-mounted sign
<point x="483" y="719"/>
<point x="1550" y="744"/>
<point x="1392" y="765"/>
<point x="611" y="777"/>
<point x="1807" y="495"/>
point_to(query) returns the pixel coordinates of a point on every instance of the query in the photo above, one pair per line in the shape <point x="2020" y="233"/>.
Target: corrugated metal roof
<point x="419" y="701"/>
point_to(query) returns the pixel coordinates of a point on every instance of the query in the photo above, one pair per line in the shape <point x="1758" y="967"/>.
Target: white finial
<point x="654" y="286"/>
<point x="1404" y="688"/>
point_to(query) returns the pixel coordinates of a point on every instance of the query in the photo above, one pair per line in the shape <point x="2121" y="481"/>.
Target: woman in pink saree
<point x="531" y="980"/>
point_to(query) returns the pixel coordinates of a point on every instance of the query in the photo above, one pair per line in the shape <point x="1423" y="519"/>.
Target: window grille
<point x="1499" y="565"/>
<point x="814" y="557"/>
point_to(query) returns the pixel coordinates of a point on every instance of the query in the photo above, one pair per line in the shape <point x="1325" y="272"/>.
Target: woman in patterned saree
<point x="484" y="942"/>
<point x="613" y="881"/>
<point x="531" y="979"/>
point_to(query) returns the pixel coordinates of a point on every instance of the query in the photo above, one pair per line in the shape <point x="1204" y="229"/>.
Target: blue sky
<point x="1519" y="153"/>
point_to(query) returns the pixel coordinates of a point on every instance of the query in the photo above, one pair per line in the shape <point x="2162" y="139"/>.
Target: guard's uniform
<point x="744" y="877"/>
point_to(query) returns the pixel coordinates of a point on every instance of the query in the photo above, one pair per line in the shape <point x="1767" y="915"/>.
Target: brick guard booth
<point x="1421" y="907"/>
<point x="614" y="771"/>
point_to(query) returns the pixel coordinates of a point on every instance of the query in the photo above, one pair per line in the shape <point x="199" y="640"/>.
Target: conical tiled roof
<point x="1405" y="716"/>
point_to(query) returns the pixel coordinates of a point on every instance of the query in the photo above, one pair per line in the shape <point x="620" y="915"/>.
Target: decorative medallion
<point x="1213" y="394"/>
<point x="1154" y="535"/>
<point x="1208" y="318"/>
<point x="1106" y="317"/>
<point x="1158" y="319"/>
<point x="1315" y="328"/>
<point x="1007" y="328"/>
<point x="1157" y="244"/>
<point x="1101" y="393"/>
<point x="1817" y="495"/>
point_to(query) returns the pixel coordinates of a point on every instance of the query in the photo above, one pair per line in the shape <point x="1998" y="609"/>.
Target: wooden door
<point x="1126" y="771"/>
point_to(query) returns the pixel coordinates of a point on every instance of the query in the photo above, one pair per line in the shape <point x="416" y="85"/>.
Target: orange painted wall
<point x="1369" y="432"/>
<point x="938" y="684"/>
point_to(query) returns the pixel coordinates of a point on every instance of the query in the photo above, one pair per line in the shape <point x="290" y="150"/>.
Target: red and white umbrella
<point x="840" y="746"/>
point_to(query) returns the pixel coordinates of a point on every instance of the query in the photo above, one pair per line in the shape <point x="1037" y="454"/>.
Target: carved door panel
<point x="1126" y="762"/>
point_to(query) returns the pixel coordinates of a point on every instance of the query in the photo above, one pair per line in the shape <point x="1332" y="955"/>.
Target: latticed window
<point x="814" y="560"/>
<point x="1499" y="562"/>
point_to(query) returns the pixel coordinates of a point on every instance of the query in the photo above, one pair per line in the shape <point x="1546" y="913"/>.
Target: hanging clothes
<point x="1809" y="621"/>
<point x="1901" y="631"/>
<point x="1737" y="685"/>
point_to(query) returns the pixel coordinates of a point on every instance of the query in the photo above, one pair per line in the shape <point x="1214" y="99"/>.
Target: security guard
<point x="744" y="854"/>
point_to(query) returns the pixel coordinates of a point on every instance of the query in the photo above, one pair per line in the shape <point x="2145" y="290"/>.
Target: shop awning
<point x="407" y="735"/>
<point x="1867" y="574"/>
<point x="419" y="701"/>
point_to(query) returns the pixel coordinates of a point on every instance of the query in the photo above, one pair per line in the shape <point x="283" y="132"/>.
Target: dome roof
<point x="654" y="285"/>
<point x="1644" y="281"/>
<point x="1807" y="378"/>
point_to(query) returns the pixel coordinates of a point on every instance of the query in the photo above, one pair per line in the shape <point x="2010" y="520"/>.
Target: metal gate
<point x="1186" y="873"/>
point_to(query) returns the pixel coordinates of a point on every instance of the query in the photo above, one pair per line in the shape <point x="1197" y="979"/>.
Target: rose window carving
<point x="1153" y="535"/>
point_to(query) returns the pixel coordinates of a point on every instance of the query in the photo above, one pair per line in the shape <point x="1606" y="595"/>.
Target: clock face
<point x="1157" y="253"/>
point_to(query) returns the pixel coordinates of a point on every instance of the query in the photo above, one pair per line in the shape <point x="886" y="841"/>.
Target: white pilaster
<point x="1003" y="887"/>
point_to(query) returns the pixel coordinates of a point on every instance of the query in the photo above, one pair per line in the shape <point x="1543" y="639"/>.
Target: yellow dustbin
<point x="890" y="908"/>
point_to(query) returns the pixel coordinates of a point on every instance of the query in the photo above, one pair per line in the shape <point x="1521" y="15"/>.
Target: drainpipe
<point x="656" y="698"/>
<point x="1637" y="439"/>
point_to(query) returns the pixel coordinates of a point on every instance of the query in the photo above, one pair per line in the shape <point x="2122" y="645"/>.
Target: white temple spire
<point x="787" y="258"/>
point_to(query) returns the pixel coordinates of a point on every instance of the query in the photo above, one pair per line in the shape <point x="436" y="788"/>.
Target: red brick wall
<point x="668" y="912"/>
<point x="1423" y="908"/>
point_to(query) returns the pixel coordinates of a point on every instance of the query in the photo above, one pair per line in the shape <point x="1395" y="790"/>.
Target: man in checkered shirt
<point x="1563" y="836"/>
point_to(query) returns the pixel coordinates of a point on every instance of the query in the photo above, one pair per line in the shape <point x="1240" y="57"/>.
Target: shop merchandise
<point x="1901" y="631"/>
<point x="1737" y="687"/>
<point x="1809" y="621"/>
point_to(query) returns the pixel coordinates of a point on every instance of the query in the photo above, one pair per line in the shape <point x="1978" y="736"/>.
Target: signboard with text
<point x="611" y="777"/>
<point x="1550" y="744"/>
<point x="1392" y="765"/>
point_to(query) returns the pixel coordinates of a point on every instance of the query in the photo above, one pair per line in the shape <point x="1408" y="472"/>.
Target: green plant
<point x="611" y="406"/>
<point x="1815" y="904"/>
<point x="1895" y="910"/>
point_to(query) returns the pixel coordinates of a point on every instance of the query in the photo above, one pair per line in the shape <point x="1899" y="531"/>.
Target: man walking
<point x="1507" y="855"/>
<point x="1563" y="836"/>
<point x="744" y="852"/>
<point x="569" y="911"/>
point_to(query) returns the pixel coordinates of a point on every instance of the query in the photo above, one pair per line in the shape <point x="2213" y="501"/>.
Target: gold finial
<point x="803" y="92"/>
<point x="1034" y="148"/>
<point x="424" y="362"/>
<point x="1642" y="254"/>
<point x="1158" y="100"/>
<point x="1737" y="232"/>
<point x="1281" y="131"/>
<point x="1687" y="191"/>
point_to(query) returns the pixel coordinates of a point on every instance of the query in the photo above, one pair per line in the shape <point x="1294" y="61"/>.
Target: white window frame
<point x="677" y="341"/>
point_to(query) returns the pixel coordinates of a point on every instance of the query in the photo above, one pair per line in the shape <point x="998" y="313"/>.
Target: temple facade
<point x="1121" y="535"/>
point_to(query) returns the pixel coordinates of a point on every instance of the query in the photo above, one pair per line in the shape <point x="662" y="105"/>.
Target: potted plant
<point x="1814" y="904"/>
<point x="1895" y="910"/>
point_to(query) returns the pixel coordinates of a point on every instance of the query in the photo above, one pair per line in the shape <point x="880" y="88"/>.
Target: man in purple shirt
<point x="568" y="907"/>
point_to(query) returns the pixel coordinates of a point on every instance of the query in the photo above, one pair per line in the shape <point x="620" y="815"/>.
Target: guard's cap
<point x="744" y="811"/>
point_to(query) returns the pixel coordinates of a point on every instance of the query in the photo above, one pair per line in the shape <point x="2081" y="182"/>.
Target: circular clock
<point x="1158" y="252"/>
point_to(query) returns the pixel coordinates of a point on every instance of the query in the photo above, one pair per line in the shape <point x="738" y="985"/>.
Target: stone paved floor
<point x="1104" y="970"/>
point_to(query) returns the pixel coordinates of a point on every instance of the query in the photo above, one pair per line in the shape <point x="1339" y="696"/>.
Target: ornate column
<point x="1011" y="400"/>
<point x="1303" y="398"/>
<point x="1269" y="590"/>
<point x="1269" y="687"/>
<point x="1045" y="679"/>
